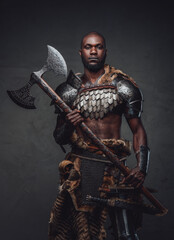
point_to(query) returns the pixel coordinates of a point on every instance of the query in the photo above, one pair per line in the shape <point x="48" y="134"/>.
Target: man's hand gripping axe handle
<point x="23" y="98"/>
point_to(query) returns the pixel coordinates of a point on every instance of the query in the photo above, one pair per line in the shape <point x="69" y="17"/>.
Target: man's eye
<point x="87" y="47"/>
<point x="100" y="47"/>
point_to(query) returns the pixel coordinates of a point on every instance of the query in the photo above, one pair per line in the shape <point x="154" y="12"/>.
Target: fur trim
<point x="111" y="73"/>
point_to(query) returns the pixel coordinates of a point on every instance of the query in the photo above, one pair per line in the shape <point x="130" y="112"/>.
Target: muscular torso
<point x="105" y="128"/>
<point x="101" y="109"/>
<point x="100" y="105"/>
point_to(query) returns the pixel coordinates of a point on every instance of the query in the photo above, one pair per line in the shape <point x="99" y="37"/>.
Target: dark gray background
<point x="140" y="42"/>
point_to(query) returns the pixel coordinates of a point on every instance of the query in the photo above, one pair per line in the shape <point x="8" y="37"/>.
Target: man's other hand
<point x="135" y="178"/>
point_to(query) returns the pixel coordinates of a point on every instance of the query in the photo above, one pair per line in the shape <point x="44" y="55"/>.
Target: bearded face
<point x="94" y="66"/>
<point x="93" y="52"/>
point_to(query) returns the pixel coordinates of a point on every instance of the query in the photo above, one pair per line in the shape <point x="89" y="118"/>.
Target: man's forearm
<point x="63" y="133"/>
<point x="141" y="149"/>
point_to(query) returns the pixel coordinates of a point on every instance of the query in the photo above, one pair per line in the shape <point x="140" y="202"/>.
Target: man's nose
<point x="93" y="50"/>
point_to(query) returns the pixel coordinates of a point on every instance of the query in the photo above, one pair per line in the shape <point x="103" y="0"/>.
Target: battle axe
<point x="56" y="63"/>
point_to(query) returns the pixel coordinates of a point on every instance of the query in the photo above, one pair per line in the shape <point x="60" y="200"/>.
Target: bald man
<point x="100" y="97"/>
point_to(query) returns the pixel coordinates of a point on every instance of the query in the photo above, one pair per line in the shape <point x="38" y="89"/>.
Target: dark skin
<point x="93" y="51"/>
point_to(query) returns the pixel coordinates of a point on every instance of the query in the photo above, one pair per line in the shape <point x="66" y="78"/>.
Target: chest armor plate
<point x="97" y="102"/>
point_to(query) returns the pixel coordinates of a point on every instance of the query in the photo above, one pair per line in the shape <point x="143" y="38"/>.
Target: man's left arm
<point x="137" y="174"/>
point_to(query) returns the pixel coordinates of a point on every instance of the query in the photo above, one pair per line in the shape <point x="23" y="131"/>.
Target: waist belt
<point x="95" y="159"/>
<point x="120" y="147"/>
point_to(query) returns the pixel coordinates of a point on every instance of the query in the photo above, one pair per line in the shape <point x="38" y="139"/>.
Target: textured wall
<point x="140" y="42"/>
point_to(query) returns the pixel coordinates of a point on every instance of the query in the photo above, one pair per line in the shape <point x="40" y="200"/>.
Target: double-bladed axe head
<point x="55" y="62"/>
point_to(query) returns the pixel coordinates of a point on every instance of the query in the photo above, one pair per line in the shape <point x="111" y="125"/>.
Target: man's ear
<point x="80" y="52"/>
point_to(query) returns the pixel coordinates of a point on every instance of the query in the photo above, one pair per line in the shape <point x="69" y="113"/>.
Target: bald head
<point x="93" y="51"/>
<point x="90" y="34"/>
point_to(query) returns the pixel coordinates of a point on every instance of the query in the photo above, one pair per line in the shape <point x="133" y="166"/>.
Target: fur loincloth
<point x="70" y="218"/>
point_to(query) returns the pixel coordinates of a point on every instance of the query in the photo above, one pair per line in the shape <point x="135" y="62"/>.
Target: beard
<point x="94" y="67"/>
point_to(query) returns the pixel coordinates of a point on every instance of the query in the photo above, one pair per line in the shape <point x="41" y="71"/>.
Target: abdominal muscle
<point x="105" y="128"/>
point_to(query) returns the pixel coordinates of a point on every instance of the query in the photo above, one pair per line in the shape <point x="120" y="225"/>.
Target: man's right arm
<point x="63" y="131"/>
<point x="65" y="126"/>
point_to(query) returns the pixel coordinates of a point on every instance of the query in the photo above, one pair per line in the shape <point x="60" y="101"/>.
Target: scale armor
<point x="116" y="93"/>
<point x="120" y="96"/>
<point x="95" y="103"/>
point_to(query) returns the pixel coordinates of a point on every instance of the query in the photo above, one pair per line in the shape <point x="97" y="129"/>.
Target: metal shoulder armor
<point x="68" y="90"/>
<point x="132" y="96"/>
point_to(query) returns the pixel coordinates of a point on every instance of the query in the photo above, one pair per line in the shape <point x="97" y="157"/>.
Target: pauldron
<point x="68" y="90"/>
<point x="132" y="97"/>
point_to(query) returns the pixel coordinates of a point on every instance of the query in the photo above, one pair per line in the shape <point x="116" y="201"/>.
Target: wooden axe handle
<point x="112" y="157"/>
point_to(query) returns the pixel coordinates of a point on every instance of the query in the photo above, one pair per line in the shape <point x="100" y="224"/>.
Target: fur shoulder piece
<point x="111" y="73"/>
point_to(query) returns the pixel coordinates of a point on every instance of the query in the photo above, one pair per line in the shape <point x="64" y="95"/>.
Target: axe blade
<point x="22" y="97"/>
<point x="55" y="62"/>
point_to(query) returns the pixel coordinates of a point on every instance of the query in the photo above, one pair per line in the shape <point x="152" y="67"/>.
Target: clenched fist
<point x="74" y="117"/>
<point x="135" y="178"/>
